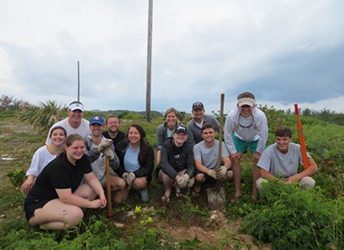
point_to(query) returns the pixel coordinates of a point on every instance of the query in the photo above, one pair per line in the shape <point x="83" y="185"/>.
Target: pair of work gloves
<point x="217" y="173"/>
<point x="184" y="180"/>
<point x="105" y="147"/>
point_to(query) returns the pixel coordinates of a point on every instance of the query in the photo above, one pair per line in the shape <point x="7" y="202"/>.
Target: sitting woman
<point x="43" y="156"/>
<point x="177" y="164"/>
<point x="137" y="163"/>
<point x="56" y="199"/>
<point x="166" y="129"/>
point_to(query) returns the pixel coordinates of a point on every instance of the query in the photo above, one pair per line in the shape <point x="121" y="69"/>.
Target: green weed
<point x="291" y="218"/>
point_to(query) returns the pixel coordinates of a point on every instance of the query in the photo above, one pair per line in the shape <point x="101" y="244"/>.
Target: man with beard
<point x="113" y="124"/>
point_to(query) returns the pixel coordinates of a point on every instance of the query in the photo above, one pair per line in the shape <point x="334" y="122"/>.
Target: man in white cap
<point x="74" y="123"/>
<point x="245" y="127"/>
<point x="195" y="125"/>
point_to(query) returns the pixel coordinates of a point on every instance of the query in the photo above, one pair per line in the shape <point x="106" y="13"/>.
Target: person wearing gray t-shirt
<point x="282" y="159"/>
<point x="206" y="155"/>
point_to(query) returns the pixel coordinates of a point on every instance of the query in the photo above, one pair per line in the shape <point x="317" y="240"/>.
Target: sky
<point x="284" y="52"/>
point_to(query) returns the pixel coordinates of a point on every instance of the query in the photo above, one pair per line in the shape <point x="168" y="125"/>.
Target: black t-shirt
<point x="119" y="137"/>
<point x="58" y="174"/>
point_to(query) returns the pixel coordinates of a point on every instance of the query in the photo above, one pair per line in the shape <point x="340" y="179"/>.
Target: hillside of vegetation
<point x="283" y="218"/>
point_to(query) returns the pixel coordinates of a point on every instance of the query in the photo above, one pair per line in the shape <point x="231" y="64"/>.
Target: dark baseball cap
<point x="197" y="105"/>
<point x="181" y="129"/>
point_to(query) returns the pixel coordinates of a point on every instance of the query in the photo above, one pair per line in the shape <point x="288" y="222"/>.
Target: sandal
<point x="196" y="193"/>
<point x="235" y="199"/>
<point x="178" y="193"/>
<point x="165" y="199"/>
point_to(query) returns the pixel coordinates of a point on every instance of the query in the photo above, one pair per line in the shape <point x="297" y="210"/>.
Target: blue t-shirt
<point x="131" y="159"/>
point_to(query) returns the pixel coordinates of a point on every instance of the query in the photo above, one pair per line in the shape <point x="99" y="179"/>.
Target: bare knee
<point x="200" y="178"/>
<point x="74" y="216"/>
<point x="140" y="183"/>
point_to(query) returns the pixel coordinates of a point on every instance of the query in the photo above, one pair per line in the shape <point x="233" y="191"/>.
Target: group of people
<point x="68" y="174"/>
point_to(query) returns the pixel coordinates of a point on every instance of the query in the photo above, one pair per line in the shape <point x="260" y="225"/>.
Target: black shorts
<point x="31" y="207"/>
<point x="208" y="179"/>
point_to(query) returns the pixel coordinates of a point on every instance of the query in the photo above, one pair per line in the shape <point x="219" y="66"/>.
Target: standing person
<point x="137" y="163"/>
<point x="93" y="141"/>
<point x="74" y="123"/>
<point x="195" y="125"/>
<point x="282" y="160"/>
<point x="43" y="156"/>
<point x="113" y="124"/>
<point x="166" y="129"/>
<point x="206" y="157"/>
<point x="56" y="199"/>
<point x="177" y="164"/>
<point x="245" y="127"/>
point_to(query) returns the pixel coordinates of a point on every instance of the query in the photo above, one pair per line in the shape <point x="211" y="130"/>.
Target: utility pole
<point x="149" y="61"/>
<point x="78" y="82"/>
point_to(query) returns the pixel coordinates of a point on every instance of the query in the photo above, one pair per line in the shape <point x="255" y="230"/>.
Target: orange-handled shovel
<point x="301" y="137"/>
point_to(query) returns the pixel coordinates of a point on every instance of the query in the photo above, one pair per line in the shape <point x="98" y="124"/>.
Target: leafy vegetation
<point x="284" y="217"/>
<point x="291" y="218"/>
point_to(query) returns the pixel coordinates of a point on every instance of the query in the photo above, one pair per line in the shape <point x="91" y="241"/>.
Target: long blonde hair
<point x="173" y="110"/>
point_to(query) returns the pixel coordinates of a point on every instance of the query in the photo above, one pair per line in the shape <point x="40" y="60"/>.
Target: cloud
<point x="282" y="51"/>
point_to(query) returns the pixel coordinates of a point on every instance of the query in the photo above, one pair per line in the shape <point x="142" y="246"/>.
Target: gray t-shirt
<point x="279" y="164"/>
<point x="208" y="155"/>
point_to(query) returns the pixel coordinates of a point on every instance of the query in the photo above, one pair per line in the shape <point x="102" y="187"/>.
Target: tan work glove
<point x="211" y="173"/>
<point x="191" y="182"/>
<point x="220" y="172"/>
<point x="129" y="178"/>
<point x="108" y="152"/>
<point x="183" y="180"/>
<point x="106" y="143"/>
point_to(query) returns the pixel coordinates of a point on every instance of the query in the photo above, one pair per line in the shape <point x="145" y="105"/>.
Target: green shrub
<point x="290" y="218"/>
<point x="16" y="176"/>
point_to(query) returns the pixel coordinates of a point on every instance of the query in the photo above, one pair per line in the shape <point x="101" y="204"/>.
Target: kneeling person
<point x="94" y="144"/>
<point x="177" y="163"/>
<point x="282" y="159"/>
<point x="206" y="155"/>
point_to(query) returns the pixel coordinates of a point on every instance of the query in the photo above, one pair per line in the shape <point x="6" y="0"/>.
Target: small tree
<point x="44" y="115"/>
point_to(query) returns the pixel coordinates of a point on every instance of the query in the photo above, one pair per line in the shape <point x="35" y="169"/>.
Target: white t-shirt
<point x="83" y="129"/>
<point x="208" y="155"/>
<point x="40" y="159"/>
<point x="279" y="164"/>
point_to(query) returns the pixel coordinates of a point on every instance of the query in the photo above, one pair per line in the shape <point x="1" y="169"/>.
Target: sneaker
<point x="144" y="195"/>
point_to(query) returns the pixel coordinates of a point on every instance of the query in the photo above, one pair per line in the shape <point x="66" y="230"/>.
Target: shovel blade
<point x="216" y="198"/>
